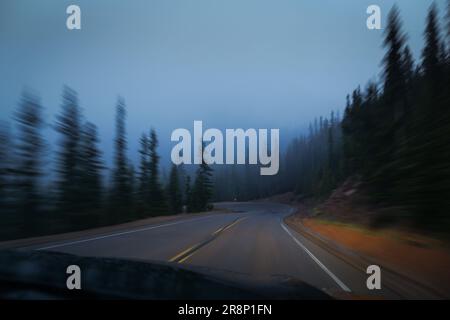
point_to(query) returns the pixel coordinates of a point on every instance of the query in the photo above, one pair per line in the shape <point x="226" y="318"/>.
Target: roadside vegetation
<point x="391" y="144"/>
<point x="75" y="190"/>
<point x="386" y="160"/>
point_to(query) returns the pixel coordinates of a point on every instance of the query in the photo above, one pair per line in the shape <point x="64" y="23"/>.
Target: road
<point x="252" y="240"/>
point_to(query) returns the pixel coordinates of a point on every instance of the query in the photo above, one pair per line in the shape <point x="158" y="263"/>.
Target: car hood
<point x="42" y="275"/>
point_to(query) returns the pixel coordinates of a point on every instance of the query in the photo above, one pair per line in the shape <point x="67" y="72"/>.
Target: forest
<point x="393" y="136"/>
<point x="81" y="195"/>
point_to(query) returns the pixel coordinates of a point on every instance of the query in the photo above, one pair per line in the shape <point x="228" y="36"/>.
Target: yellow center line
<point x="182" y="253"/>
<point x="234" y="223"/>
<point x="193" y="248"/>
<point x="217" y="231"/>
<point x="187" y="257"/>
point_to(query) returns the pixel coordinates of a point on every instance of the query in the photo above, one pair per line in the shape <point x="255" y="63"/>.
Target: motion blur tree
<point x="431" y="64"/>
<point x="68" y="125"/>
<point x="91" y="168"/>
<point x="315" y="161"/>
<point x="447" y="31"/>
<point x="375" y="124"/>
<point x="404" y="131"/>
<point x="144" y="170"/>
<point x="408" y="67"/>
<point x="121" y="194"/>
<point x="157" y="201"/>
<point x="203" y="188"/>
<point x="174" y="192"/>
<point x="391" y="110"/>
<point x="28" y="159"/>
<point x="394" y="41"/>
<point x="434" y="126"/>
<point x="133" y="185"/>
<point x="188" y="194"/>
<point x="4" y="166"/>
<point x="447" y="23"/>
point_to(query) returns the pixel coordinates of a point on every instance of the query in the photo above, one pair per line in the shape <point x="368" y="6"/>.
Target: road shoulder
<point x="69" y="236"/>
<point x="361" y="248"/>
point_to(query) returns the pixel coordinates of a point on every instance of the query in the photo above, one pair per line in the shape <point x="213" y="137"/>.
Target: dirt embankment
<point x="422" y="259"/>
<point x="338" y="220"/>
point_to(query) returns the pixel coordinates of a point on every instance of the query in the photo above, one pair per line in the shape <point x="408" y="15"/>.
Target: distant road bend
<point x="252" y="240"/>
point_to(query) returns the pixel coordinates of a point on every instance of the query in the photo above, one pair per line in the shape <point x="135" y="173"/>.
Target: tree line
<point x="72" y="193"/>
<point x="394" y="135"/>
<point x="311" y="166"/>
<point x="396" y="132"/>
<point x="393" y="138"/>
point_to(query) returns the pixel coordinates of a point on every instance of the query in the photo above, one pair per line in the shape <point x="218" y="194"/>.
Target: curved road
<point x="252" y="240"/>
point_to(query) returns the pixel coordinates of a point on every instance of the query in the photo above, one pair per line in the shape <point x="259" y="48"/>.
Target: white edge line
<point x="331" y="274"/>
<point x="64" y="244"/>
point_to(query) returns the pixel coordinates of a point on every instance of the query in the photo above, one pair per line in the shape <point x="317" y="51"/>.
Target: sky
<point x="230" y="63"/>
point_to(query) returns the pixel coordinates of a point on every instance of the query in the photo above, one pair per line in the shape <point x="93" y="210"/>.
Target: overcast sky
<point x="230" y="63"/>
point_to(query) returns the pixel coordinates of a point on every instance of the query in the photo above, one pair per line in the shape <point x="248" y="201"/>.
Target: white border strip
<point x="336" y="279"/>
<point x="64" y="244"/>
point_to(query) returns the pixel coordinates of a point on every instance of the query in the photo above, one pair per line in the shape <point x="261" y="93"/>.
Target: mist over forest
<point x="393" y="137"/>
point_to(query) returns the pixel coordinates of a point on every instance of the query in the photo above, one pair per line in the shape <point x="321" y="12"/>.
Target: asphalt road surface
<point x="251" y="240"/>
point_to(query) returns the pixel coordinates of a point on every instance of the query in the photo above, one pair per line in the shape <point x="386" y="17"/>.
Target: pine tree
<point x="405" y="149"/>
<point x="447" y="64"/>
<point x="133" y="186"/>
<point x="182" y="178"/>
<point x="433" y="157"/>
<point x="29" y="159"/>
<point x="389" y="132"/>
<point x="405" y="144"/>
<point x="188" y="194"/>
<point x="144" y="170"/>
<point x="203" y="188"/>
<point x="393" y="71"/>
<point x="157" y="202"/>
<point x="173" y="191"/>
<point x="448" y="19"/>
<point x="431" y="63"/>
<point x="331" y="154"/>
<point x="121" y="178"/>
<point x="68" y="125"/>
<point x="448" y="24"/>
<point x="408" y="66"/>
<point x="91" y="168"/>
<point x="4" y="166"/>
